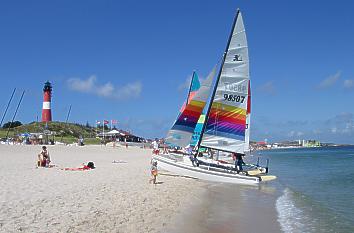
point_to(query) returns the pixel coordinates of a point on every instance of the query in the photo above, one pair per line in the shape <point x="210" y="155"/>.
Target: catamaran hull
<point x="183" y="169"/>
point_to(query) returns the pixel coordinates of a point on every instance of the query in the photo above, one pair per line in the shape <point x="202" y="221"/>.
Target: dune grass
<point x="64" y="132"/>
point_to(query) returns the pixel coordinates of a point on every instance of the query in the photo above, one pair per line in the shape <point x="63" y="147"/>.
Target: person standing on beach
<point x="153" y="171"/>
<point x="165" y="149"/>
<point x="238" y="161"/>
<point x="192" y="157"/>
<point x="155" y="147"/>
<point x="126" y="143"/>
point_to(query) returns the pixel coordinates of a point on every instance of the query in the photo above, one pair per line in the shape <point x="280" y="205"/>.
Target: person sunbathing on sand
<point x="43" y="158"/>
<point x="89" y="166"/>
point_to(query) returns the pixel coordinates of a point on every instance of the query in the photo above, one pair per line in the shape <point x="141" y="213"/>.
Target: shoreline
<point x="229" y="208"/>
<point x="304" y="147"/>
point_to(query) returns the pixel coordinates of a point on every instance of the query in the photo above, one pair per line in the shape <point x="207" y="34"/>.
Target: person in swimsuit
<point x="88" y="166"/>
<point x="153" y="171"/>
<point x="43" y="158"/>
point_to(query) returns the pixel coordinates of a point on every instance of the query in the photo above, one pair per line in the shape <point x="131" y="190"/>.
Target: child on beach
<point x="126" y="143"/>
<point x="165" y="149"/>
<point x="153" y="171"/>
<point x="43" y="158"/>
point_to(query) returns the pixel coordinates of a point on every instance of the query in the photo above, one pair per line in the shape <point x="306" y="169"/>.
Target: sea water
<point x="313" y="192"/>
<point x="316" y="188"/>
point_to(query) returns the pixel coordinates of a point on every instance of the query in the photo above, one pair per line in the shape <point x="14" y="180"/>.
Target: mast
<point x="217" y="80"/>
<point x="248" y="119"/>
<point x="13" y="118"/>
<point x="66" y="121"/>
<point x="7" y="107"/>
<point x="190" y="87"/>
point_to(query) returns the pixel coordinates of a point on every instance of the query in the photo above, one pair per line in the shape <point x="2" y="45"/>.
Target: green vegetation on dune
<point x="3" y="133"/>
<point x="69" y="131"/>
<point x="60" y="129"/>
<point x="87" y="141"/>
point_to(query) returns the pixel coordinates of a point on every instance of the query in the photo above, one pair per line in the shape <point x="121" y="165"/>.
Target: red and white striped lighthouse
<point x="47" y="96"/>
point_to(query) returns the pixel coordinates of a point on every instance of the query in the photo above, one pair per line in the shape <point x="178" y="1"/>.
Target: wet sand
<point x="226" y="208"/>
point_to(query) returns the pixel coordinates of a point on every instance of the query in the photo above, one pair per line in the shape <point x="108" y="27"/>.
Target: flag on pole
<point x="105" y="122"/>
<point x="98" y="122"/>
<point x="114" y="122"/>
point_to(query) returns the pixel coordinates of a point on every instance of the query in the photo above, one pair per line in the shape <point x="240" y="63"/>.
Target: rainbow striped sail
<point x="182" y="130"/>
<point x="226" y="124"/>
<point x="194" y="87"/>
<point x="197" y="130"/>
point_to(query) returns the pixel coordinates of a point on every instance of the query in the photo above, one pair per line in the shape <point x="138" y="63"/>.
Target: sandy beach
<point x="117" y="197"/>
<point x="114" y="197"/>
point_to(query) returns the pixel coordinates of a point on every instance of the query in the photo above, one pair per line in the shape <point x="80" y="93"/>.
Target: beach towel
<point x="84" y="168"/>
<point x="119" y="161"/>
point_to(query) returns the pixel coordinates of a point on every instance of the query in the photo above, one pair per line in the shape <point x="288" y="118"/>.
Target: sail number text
<point x="234" y="98"/>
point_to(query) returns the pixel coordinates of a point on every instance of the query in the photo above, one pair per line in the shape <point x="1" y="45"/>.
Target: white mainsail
<point x="225" y="128"/>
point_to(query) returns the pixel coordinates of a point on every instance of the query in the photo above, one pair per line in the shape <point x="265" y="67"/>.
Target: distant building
<point x="311" y="143"/>
<point x="120" y="135"/>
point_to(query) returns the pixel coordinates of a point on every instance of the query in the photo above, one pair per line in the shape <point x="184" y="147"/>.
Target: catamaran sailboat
<point x="226" y="124"/>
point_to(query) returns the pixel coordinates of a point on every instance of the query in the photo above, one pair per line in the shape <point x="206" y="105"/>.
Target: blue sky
<point x="130" y="60"/>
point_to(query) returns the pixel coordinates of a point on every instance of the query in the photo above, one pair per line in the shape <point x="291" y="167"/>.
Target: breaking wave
<point x="290" y="217"/>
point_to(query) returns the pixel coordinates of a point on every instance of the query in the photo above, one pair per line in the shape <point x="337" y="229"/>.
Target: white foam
<point x="291" y="218"/>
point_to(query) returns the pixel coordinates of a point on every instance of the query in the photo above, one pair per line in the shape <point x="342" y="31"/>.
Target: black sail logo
<point x="237" y="57"/>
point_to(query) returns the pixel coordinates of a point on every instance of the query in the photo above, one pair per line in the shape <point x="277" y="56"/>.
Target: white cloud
<point x="77" y="84"/>
<point x="329" y="81"/>
<point x="129" y="90"/>
<point x="337" y="129"/>
<point x="268" y="88"/>
<point x="348" y="83"/>
<point x="107" y="90"/>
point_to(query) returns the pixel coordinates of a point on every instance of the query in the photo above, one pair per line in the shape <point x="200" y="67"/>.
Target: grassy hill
<point x="69" y="131"/>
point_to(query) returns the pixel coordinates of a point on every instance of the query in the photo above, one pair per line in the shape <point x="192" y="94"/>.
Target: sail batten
<point x="226" y="125"/>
